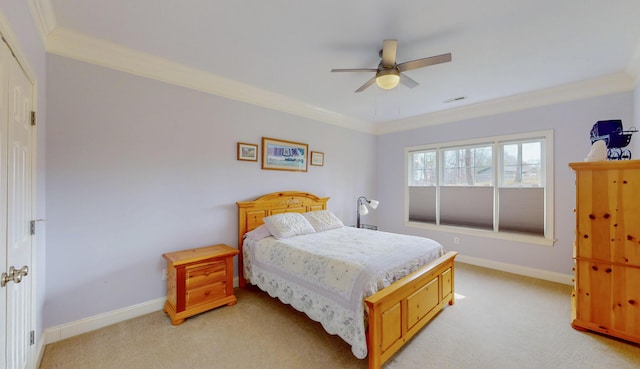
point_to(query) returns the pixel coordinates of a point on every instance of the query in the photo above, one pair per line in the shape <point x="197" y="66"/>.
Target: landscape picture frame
<point x="247" y="151"/>
<point x="286" y="155"/>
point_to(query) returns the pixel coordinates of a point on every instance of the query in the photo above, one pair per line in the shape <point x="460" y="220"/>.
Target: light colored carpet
<point x="500" y="320"/>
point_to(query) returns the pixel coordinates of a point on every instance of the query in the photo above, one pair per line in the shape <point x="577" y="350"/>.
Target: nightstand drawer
<point x="206" y="294"/>
<point x="205" y="274"/>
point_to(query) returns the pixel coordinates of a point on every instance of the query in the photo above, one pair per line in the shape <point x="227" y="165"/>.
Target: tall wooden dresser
<point x="606" y="295"/>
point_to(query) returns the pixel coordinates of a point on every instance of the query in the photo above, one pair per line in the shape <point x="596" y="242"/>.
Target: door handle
<point x="6" y="278"/>
<point x="19" y="273"/>
<point x="24" y="271"/>
<point x="14" y="275"/>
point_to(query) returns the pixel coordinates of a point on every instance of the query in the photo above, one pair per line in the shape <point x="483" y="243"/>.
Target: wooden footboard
<point x="399" y="311"/>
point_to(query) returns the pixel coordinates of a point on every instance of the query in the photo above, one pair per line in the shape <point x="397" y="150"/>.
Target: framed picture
<point x="248" y="152"/>
<point x="317" y="158"/>
<point x="284" y="155"/>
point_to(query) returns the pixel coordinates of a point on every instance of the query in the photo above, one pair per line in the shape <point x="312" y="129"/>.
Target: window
<point x="467" y="166"/>
<point x="423" y="168"/>
<point x="497" y="185"/>
<point x="522" y="164"/>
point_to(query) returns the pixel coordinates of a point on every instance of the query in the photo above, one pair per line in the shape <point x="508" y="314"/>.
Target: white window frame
<point x="547" y="160"/>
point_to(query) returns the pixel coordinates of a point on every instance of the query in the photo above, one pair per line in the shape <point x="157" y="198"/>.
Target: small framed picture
<point x="247" y="152"/>
<point x="317" y="158"/>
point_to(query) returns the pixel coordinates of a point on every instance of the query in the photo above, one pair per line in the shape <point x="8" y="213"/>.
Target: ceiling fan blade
<point x="425" y="62"/>
<point x="369" y="83"/>
<point x="389" y="49"/>
<point x="408" y="81"/>
<point x="355" y="70"/>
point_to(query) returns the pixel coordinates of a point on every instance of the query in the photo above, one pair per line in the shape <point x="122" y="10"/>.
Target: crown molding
<point x="42" y="12"/>
<point x="73" y="45"/>
<point x="613" y="83"/>
<point x="63" y="42"/>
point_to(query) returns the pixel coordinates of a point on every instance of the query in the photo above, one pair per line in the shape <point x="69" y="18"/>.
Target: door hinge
<point x="33" y="118"/>
<point x="32" y="223"/>
<point x="32" y="338"/>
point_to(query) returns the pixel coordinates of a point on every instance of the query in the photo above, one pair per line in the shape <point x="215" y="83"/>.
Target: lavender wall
<point x="137" y="168"/>
<point x="571" y="123"/>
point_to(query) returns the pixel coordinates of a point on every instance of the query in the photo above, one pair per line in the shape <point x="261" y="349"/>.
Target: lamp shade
<point x="373" y="204"/>
<point x="363" y="210"/>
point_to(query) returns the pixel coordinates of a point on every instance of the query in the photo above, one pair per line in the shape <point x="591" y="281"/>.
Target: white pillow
<point x="323" y="220"/>
<point x="287" y="225"/>
<point x="259" y="233"/>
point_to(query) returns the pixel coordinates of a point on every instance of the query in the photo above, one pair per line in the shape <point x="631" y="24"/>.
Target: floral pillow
<point x="323" y="220"/>
<point x="287" y="225"/>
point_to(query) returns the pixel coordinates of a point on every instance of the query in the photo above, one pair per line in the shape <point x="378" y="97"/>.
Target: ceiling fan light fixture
<point x="388" y="72"/>
<point x="388" y="79"/>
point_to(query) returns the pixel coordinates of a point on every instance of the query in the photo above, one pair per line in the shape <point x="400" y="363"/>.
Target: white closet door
<point x="5" y="55"/>
<point x="19" y="190"/>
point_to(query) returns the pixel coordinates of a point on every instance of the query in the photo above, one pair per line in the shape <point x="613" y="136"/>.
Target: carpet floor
<point x="499" y="320"/>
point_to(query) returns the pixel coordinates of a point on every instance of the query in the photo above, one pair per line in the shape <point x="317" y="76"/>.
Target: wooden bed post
<point x="242" y="229"/>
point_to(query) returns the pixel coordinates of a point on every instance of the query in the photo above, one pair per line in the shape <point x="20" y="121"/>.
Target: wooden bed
<point x="397" y="312"/>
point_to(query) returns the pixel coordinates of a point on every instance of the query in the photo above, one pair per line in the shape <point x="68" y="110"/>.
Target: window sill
<point x="509" y="236"/>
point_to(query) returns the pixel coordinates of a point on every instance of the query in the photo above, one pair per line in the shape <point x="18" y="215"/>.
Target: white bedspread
<point x="328" y="274"/>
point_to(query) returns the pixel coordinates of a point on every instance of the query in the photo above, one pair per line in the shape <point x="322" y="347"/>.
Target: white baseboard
<point x="517" y="269"/>
<point x="85" y="325"/>
<point x="89" y="324"/>
<point x="39" y="351"/>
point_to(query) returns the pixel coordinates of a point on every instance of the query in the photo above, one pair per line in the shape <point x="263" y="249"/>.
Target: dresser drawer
<point x="205" y="274"/>
<point x="205" y="294"/>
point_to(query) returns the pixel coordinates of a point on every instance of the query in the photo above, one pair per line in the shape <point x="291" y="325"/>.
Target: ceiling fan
<point x="389" y="74"/>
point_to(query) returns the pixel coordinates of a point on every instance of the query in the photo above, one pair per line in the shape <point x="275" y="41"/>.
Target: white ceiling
<point x="283" y="50"/>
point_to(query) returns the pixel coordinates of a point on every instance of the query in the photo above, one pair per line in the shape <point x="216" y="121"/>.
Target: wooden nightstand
<point x="199" y="280"/>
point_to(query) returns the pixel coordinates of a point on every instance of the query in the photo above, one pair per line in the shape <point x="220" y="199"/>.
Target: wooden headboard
<point x="251" y="213"/>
